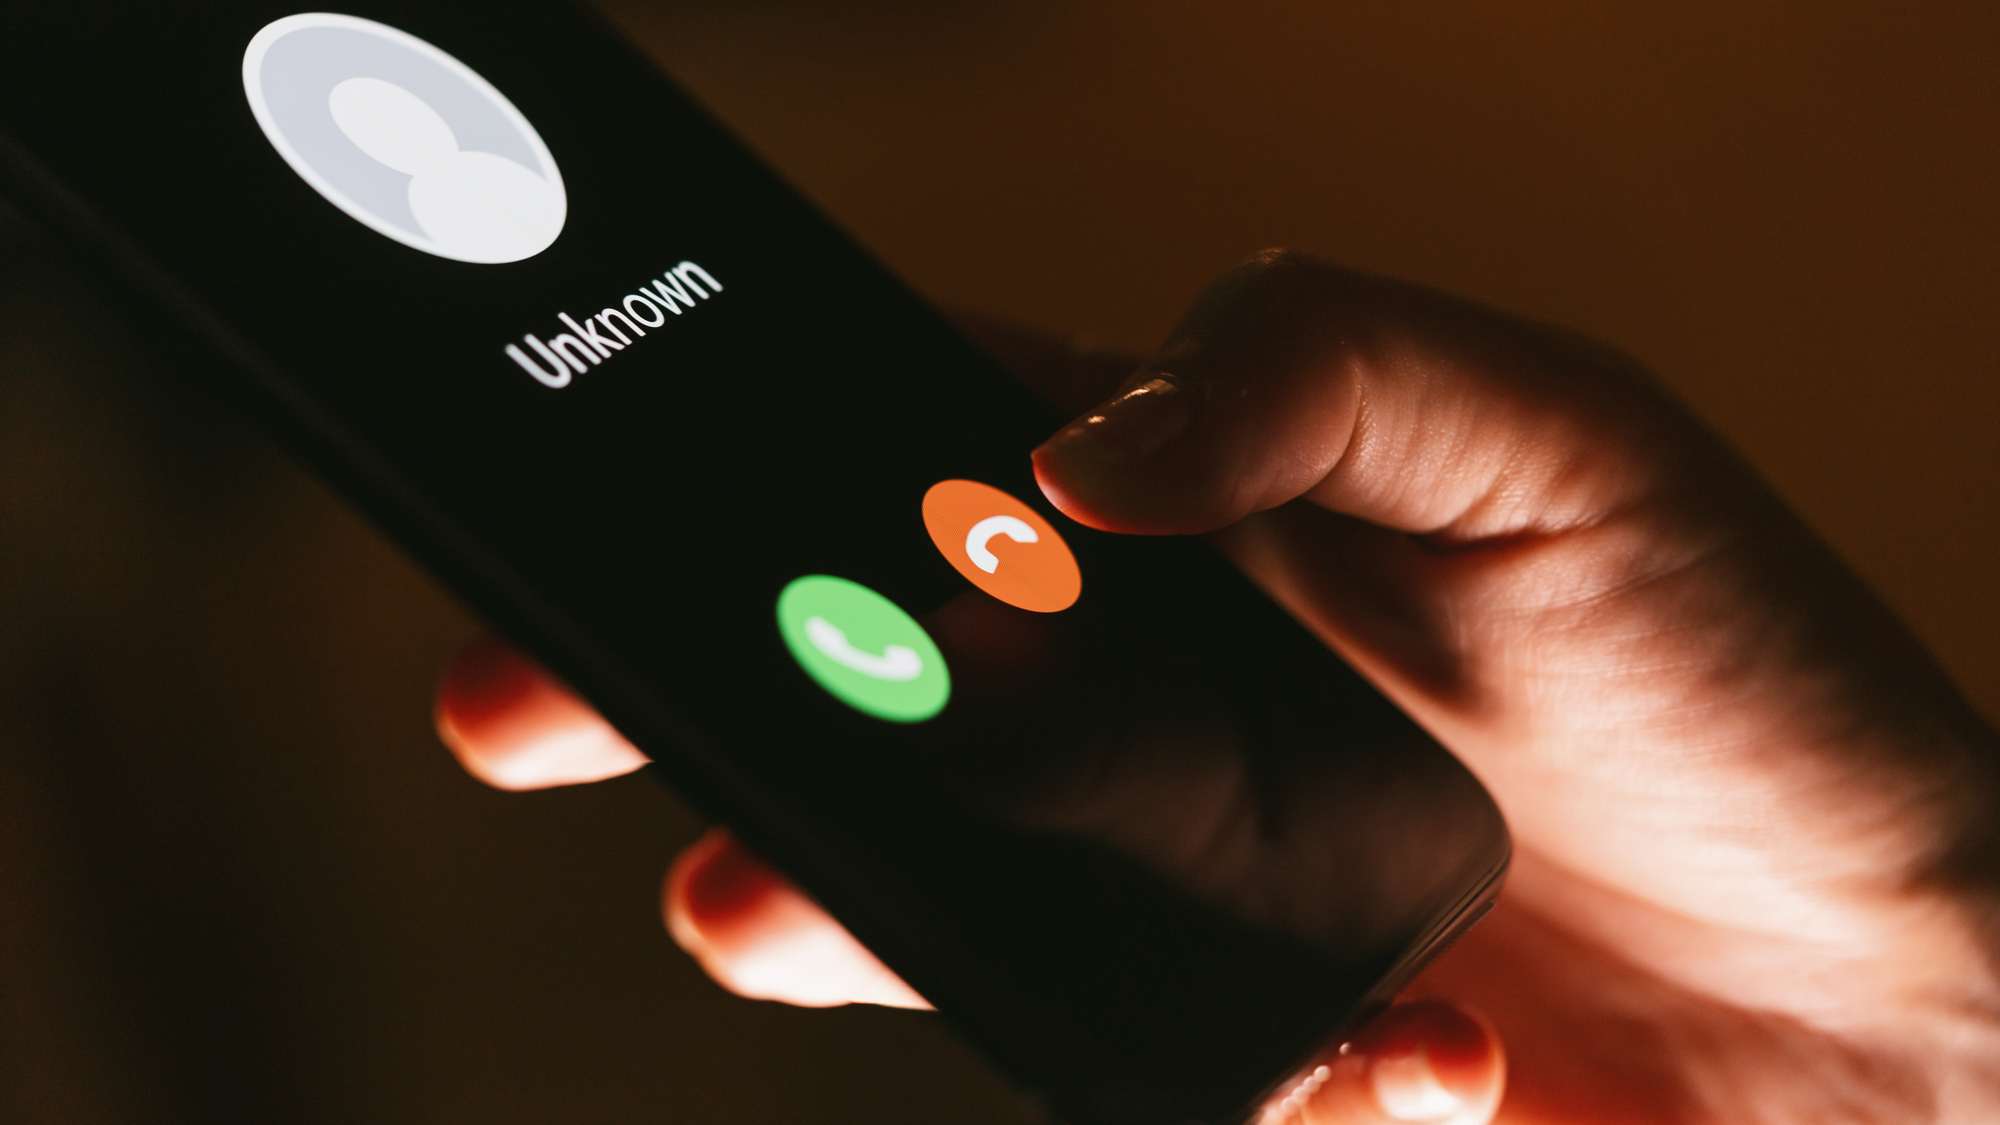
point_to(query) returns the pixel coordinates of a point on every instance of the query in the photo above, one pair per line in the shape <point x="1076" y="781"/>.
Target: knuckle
<point x="1284" y="286"/>
<point x="1284" y="269"/>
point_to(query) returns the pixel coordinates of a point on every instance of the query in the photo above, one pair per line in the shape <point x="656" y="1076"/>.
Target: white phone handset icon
<point x="897" y="662"/>
<point x="986" y="529"/>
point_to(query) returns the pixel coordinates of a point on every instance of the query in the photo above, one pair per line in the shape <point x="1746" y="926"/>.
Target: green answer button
<point x="863" y="649"/>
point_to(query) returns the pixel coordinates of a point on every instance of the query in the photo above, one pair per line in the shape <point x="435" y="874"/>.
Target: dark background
<point x="240" y="881"/>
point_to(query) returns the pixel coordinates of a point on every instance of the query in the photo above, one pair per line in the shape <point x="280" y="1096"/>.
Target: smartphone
<point x="1137" y="835"/>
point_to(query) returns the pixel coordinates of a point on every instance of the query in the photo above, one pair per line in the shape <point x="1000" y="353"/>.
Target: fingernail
<point x="1133" y="426"/>
<point x="1427" y="1061"/>
<point x="1408" y="1089"/>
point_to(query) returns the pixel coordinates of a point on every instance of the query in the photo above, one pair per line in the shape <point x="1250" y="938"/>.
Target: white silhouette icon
<point x="476" y="206"/>
<point x="404" y="138"/>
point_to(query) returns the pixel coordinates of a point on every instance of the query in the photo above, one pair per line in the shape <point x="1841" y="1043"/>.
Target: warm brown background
<point x="240" y="882"/>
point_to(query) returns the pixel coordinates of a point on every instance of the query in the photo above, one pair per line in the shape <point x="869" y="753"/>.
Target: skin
<point x="1757" y="829"/>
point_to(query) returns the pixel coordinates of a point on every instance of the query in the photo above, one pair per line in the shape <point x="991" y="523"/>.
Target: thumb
<point x="1432" y="1061"/>
<point x="1375" y="398"/>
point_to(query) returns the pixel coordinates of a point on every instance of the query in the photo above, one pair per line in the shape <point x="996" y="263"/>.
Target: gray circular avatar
<point x="404" y="138"/>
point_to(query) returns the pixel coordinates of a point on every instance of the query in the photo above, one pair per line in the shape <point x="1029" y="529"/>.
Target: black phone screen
<point x="1129" y="827"/>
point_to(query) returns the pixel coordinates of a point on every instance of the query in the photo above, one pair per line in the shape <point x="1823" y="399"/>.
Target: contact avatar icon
<point x="404" y="138"/>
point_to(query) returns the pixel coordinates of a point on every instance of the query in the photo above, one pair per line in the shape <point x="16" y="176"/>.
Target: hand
<point x="1757" y="830"/>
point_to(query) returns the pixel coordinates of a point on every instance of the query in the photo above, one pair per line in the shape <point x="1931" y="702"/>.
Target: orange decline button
<point x="1002" y="546"/>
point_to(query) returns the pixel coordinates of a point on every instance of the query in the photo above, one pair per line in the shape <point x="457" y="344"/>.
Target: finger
<point x="761" y="937"/>
<point x="1432" y="1061"/>
<point x="1380" y="399"/>
<point x="513" y="726"/>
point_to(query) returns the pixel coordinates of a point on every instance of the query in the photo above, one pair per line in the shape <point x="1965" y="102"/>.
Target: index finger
<point x="514" y="726"/>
